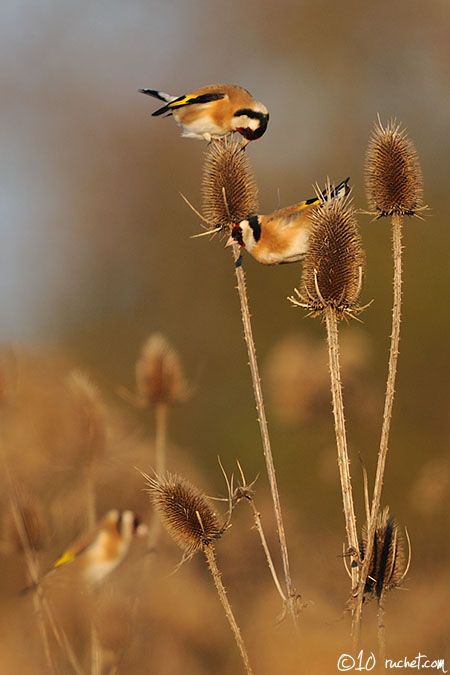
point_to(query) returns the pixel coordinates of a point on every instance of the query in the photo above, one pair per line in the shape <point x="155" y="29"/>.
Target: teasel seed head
<point x="184" y="511"/>
<point x="388" y="565"/>
<point x="333" y="265"/>
<point x="392" y="172"/>
<point x="229" y="189"/>
<point x="159" y="374"/>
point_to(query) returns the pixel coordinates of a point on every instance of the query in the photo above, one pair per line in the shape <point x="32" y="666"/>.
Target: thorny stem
<point x="341" y="438"/>
<point x="387" y="415"/>
<point x="258" y="525"/>
<point x="39" y="600"/>
<point x="253" y="363"/>
<point x="212" y="564"/>
<point x="161" y="415"/>
<point x="161" y="423"/>
<point x="381" y="631"/>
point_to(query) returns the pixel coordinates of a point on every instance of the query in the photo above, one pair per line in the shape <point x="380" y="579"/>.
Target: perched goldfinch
<point x="282" y="236"/>
<point x="215" y="111"/>
<point x="95" y="554"/>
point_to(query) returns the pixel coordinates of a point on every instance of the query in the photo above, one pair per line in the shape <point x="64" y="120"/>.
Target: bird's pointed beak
<point x="230" y="241"/>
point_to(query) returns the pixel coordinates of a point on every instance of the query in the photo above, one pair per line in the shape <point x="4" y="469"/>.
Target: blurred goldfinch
<point x="215" y="111"/>
<point x="282" y="236"/>
<point x="95" y="554"/>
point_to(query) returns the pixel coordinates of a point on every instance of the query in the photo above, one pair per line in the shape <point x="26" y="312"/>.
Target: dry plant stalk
<point x="394" y="188"/>
<point x="245" y="491"/>
<point x="160" y="382"/>
<point x="330" y="286"/>
<point x="42" y="608"/>
<point x="189" y="519"/>
<point x="230" y="195"/>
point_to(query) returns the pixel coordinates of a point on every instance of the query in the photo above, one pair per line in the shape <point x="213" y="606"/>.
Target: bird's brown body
<point x="282" y="236"/>
<point x="214" y="111"/>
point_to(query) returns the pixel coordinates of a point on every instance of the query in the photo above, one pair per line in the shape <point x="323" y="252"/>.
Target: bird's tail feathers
<point x="341" y="190"/>
<point x="162" y="96"/>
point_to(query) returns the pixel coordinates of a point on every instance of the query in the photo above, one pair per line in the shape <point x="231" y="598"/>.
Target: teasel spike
<point x="393" y="175"/>
<point x="333" y="267"/>
<point x="189" y="519"/>
<point x="185" y="512"/>
<point x="159" y="374"/>
<point x="230" y="195"/>
<point x="330" y="285"/>
<point x="388" y="566"/>
<point x="394" y="187"/>
<point x="229" y="190"/>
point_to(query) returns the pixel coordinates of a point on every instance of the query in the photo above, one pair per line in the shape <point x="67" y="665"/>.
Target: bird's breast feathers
<point x="282" y="246"/>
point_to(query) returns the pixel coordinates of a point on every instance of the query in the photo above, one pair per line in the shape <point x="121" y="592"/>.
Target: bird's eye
<point x="136" y="523"/>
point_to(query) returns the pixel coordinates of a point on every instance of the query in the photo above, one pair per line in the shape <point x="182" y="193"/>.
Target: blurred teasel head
<point x="393" y="175"/>
<point x="229" y="189"/>
<point x="333" y="265"/>
<point x="159" y="374"/>
<point x="184" y="511"/>
<point x="388" y="565"/>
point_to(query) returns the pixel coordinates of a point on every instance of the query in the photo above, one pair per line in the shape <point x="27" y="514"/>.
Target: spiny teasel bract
<point x="184" y="511"/>
<point x="393" y="175"/>
<point x="333" y="265"/>
<point x="387" y="564"/>
<point x="229" y="189"/>
<point x="159" y="374"/>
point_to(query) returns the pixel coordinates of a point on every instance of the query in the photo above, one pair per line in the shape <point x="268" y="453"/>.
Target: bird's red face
<point x="251" y="124"/>
<point x="237" y="235"/>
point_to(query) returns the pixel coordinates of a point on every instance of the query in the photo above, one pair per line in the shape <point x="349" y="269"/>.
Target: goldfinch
<point x="95" y="554"/>
<point x="282" y="236"/>
<point x="215" y="111"/>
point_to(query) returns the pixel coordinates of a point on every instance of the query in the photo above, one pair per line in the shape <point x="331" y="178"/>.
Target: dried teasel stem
<point x="330" y="286"/>
<point x="42" y="608"/>
<point x="381" y="630"/>
<point x="230" y="195"/>
<point x="341" y="437"/>
<point x="394" y="188"/>
<point x="245" y="491"/>
<point x="212" y="564"/>
<point x="265" y="438"/>
<point x="189" y="519"/>
<point x="160" y="383"/>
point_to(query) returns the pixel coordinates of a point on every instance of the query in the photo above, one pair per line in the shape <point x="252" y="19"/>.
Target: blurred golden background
<point x="97" y="255"/>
